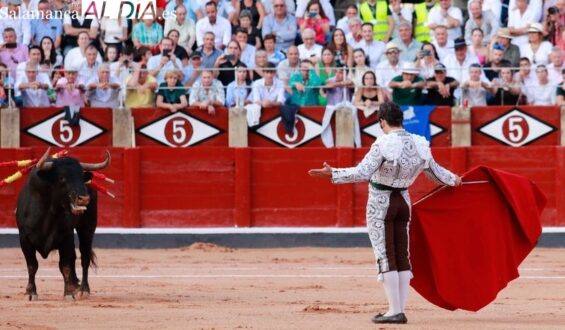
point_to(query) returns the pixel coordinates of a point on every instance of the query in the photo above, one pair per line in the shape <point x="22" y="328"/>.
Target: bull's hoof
<point x="83" y="295"/>
<point x="32" y="297"/>
<point x="70" y="297"/>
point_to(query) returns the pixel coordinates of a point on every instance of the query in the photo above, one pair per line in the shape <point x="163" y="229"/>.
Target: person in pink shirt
<point x="315" y="19"/>
<point x="11" y="53"/>
<point x="70" y="91"/>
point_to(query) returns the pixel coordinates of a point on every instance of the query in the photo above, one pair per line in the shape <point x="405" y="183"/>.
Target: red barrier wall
<point x="211" y="186"/>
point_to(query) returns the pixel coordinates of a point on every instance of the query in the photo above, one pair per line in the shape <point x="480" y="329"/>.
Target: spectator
<point x="360" y="66"/>
<point x="121" y="67"/>
<point x="73" y="24"/>
<point x="441" y="87"/>
<point x="536" y="49"/>
<point x="541" y="92"/>
<point x="238" y="92"/>
<point x="484" y="20"/>
<point x="5" y="86"/>
<point x="260" y="62"/>
<point x="193" y="11"/>
<point x="77" y="55"/>
<point x="247" y="50"/>
<point x="46" y="26"/>
<point x="374" y="49"/>
<point x="554" y="22"/>
<point x="164" y="62"/>
<point x="227" y="63"/>
<point x="325" y="70"/>
<point x="407" y="88"/>
<point x="316" y="20"/>
<point x="113" y="32"/>
<point x="70" y="91"/>
<point x="426" y="60"/>
<point x="381" y="20"/>
<point x="281" y="23"/>
<point x="459" y="63"/>
<point x="12" y="52"/>
<point x="400" y="14"/>
<point x="497" y="61"/>
<point x="147" y="33"/>
<point x="447" y="15"/>
<point x="225" y="9"/>
<point x="208" y="51"/>
<point x="343" y="23"/>
<point x="475" y="89"/>
<point x="477" y="46"/>
<point x="369" y="95"/>
<point x="389" y="68"/>
<point x="274" y="56"/>
<point x="88" y="68"/>
<point x="171" y="94"/>
<point x="33" y="87"/>
<point x="253" y="34"/>
<point x="179" y="51"/>
<point x="290" y="7"/>
<point x="337" y="88"/>
<point x="511" y="51"/>
<point x="506" y="91"/>
<point x="10" y="19"/>
<point x="268" y="91"/>
<point x="443" y="45"/>
<point x="193" y="70"/>
<point x="525" y="76"/>
<point x="408" y="46"/>
<point x="304" y="85"/>
<point x="57" y="74"/>
<point x="560" y="98"/>
<point x="519" y="21"/>
<point x="111" y="54"/>
<point x="302" y="10"/>
<point x="208" y="93"/>
<point x="35" y="57"/>
<point x="309" y="49"/>
<point x="256" y="11"/>
<point x="356" y="34"/>
<point x="50" y="56"/>
<point x="289" y="66"/>
<point x="213" y="23"/>
<point x="140" y="92"/>
<point x="343" y="52"/>
<point x="185" y="28"/>
<point x="555" y="68"/>
<point x="142" y="55"/>
<point x="102" y="89"/>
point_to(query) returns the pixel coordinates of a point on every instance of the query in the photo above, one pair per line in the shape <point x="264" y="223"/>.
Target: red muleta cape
<point x="466" y="243"/>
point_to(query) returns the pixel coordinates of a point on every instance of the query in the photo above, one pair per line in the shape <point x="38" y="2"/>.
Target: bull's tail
<point x="93" y="258"/>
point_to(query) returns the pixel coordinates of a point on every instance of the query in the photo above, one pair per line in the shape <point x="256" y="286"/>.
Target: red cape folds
<point x="466" y="243"/>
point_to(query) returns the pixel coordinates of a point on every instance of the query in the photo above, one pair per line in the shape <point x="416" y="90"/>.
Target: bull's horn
<point x="42" y="165"/>
<point x="97" y="166"/>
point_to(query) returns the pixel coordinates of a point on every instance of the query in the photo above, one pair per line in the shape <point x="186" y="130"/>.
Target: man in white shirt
<point x="355" y="34"/>
<point x="443" y="45"/>
<point x="34" y="57"/>
<point x="9" y="17"/>
<point x="555" y="68"/>
<point x="103" y="89"/>
<point x="390" y="67"/>
<point x="289" y="66"/>
<point x="88" y="68"/>
<point x="447" y="15"/>
<point x="33" y="87"/>
<point x="542" y="92"/>
<point x="185" y="26"/>
<point x="247" y="50"/>
<point x="213" y="23"/>
<point x="458" y="64"/>
<point x="310" y="49"/>
<point x="374" y="49"/>
<point x="268" y="91"/>
<point x="158" y="65"/>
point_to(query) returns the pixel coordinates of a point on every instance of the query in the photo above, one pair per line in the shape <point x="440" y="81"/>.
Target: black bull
<point x="54" y="201"/>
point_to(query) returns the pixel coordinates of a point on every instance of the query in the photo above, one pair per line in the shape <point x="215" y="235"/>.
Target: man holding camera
<point x="165" y="61"/>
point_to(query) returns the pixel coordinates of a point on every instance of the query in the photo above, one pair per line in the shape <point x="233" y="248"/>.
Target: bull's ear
<point x="87" y="176"/>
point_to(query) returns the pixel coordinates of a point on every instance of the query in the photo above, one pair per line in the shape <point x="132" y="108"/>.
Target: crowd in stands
<point x="210" y="53"/>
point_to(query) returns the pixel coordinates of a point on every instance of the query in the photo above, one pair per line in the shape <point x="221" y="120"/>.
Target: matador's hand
<point x="322" y="172"/>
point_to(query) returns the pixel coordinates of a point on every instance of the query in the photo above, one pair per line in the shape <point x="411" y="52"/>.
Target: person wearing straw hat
<point x="407" y="88"/>
<point x="511" y="51"/>
<point x="390" y="67"/>
<point x="537" y="49"/>
<point x="392" y="164"/>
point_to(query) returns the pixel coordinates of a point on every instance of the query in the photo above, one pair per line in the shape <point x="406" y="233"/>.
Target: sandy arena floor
<point x="210" y="287"/>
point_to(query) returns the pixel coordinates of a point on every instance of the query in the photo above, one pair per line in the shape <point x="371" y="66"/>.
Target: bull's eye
<point x="62" y="179"/>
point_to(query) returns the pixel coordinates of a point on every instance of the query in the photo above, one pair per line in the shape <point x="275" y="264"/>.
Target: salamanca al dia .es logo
<point x="138" y="9"/>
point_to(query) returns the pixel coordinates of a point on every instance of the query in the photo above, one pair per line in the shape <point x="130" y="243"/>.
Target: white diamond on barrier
<point x="516" y="128"/>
